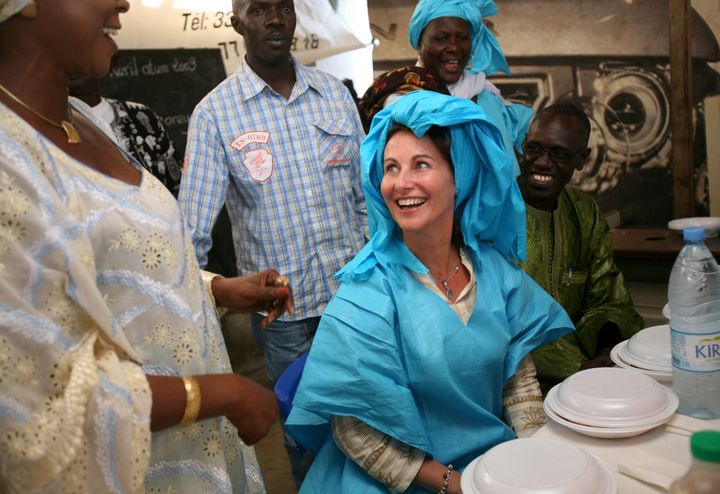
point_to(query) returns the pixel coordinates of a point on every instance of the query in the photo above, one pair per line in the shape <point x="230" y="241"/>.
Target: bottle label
<point x="695" y="352"/>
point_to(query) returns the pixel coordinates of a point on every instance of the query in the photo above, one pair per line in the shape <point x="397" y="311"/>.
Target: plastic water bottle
<point x="703" y="477"/>
<point x="694" y="296"/>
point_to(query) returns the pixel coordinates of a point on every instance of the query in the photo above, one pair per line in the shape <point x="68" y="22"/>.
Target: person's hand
<point x="266" y="290"/>
<point x="608" y="336"/>
<point x="602" y="360"/>
<point x="254" y="410"/>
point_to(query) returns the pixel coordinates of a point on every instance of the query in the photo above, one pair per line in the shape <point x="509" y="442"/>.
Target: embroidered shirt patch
<point x="337" y="156"/>
<point x="253" y="137"/>
<point x="259" y="164"/>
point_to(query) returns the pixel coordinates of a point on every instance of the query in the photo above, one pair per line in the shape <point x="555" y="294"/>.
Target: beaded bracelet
<point x="192" y="401"/>
<point x="446" y="479"/>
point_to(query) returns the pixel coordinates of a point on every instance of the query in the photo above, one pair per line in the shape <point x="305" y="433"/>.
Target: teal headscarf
<point x="488" y="204"/>
<point x="486" y="53"/>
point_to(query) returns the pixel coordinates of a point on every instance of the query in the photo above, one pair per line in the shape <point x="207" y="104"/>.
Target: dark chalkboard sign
<point x="170" y="82"/>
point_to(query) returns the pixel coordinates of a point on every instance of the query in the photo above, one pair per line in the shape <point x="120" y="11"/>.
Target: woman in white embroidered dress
<point x="104" y="315"/>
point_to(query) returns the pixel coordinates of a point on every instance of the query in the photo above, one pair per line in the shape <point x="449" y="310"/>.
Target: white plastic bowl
<point x="550" y="404"/>
<point x="650" y="349"/>
<point x="618" y="355"/>
<point x="611" y="397"/>
<point x="537" y="466"/>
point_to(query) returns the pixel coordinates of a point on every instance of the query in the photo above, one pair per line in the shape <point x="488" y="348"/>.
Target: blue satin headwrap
<point x="488" y="205"/>
<point x="486" y="53"/>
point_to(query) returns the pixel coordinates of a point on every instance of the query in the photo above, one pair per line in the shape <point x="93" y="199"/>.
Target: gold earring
<point x="30" y="10"/>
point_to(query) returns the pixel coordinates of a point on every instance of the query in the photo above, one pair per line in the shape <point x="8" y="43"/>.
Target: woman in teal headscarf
<point x="457" y="48"/>
<point x="407" y="372"/>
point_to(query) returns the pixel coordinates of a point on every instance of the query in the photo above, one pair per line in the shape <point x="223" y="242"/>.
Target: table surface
<point x="657" y="442"/>
<point x="653" y="244"/>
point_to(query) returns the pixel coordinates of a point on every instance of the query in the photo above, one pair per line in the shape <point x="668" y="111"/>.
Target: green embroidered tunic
<point x="569" y="254"/>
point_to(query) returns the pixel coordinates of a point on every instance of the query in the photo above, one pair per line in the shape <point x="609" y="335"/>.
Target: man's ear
<point x="584" y="157"/>
<point x="237" y="25"/>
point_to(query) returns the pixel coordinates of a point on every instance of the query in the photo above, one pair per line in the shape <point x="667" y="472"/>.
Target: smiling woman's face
<point x="76" y="35"/>
<point x="418" y="185"/>
<point x="445" y="47"/>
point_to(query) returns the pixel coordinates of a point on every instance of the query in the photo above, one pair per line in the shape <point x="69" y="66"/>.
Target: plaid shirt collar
<point x="251" y="85"/>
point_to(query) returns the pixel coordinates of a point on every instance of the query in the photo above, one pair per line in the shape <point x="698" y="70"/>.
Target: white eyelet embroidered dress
<point x="95" y="276"/>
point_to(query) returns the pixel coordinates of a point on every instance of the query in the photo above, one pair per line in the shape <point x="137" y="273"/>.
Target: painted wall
<point x="553" y="27"/>
<point x="710" y="11"/>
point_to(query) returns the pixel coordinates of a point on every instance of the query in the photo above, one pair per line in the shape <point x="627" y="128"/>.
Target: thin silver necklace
<point x="446" y="281"/>
<point x="446" y="286"/>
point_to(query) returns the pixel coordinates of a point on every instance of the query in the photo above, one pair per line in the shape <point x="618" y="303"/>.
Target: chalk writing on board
<point x="172" y="120"/>
<point x="148" y="67"/>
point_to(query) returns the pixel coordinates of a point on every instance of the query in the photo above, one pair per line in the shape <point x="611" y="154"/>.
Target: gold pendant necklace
<point x="67" y="126"/>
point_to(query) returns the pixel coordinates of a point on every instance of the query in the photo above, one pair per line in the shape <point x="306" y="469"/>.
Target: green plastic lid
<point x="705" y="446"/>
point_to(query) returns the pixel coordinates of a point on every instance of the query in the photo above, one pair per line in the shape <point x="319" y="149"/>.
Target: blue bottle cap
<point x="694" y="234"/>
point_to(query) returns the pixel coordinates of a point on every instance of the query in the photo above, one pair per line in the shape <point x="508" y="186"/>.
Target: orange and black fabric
<point x="402" y="80"/>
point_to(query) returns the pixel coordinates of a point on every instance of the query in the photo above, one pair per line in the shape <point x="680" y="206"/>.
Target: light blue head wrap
<point x="488" y="204"/>
<point x="486" y="54"/>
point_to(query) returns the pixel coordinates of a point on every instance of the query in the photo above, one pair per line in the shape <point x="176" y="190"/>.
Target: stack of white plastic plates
<point x="537" y="466"/>
<point x="610" y="402"/>
<point x="648" y="352"/>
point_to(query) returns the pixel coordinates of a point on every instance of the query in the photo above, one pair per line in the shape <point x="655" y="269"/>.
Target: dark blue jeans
<point x="282" y="342"/>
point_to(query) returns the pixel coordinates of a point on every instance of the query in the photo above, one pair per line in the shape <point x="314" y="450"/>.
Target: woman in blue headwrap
<point x="456" y="47"/>
<point x="423" y="349"/>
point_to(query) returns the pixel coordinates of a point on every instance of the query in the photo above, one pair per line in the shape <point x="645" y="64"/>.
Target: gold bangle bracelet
<point x="192" y="401"/>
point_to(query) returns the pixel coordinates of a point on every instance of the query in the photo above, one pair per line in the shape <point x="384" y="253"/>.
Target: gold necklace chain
<point x="67" y="126"/>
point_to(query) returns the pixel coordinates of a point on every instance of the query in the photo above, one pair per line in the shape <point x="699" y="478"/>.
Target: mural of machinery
<point x="621" y="77"/>
<point x="628" y="103"/>
<point x="629" y="109"/>
<point x="628" y="106"/>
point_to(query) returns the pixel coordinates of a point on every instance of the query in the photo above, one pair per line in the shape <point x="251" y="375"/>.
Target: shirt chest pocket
<point x="571" y="277"/>
<point x="572" y="290"/>
<point x="336" y="142"/>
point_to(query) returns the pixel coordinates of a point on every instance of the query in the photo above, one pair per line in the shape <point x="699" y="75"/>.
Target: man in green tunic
<point x="569" y="247"/>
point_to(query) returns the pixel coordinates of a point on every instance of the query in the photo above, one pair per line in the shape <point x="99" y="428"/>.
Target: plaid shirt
<point x="290" y="173"/>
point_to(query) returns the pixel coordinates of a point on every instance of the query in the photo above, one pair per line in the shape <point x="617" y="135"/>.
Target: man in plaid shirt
<point x="280" y="143"/>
